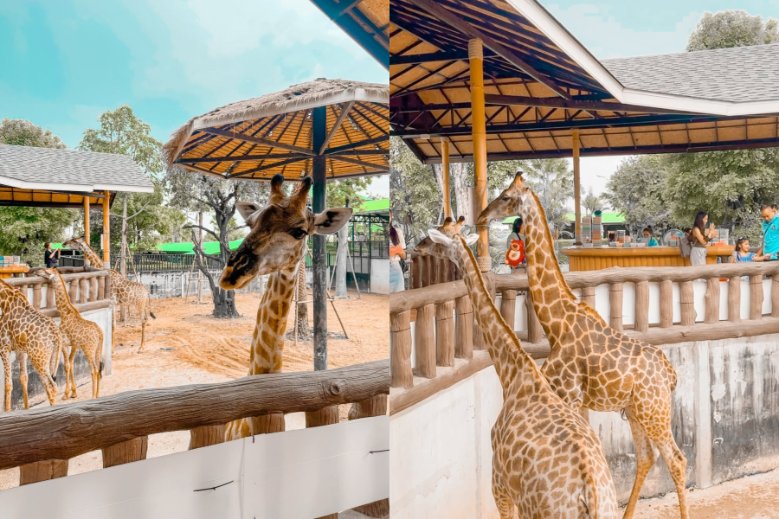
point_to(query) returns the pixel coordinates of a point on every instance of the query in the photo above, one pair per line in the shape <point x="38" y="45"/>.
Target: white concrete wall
<point x="726" y="420"/>
<point x="380" y="276"/>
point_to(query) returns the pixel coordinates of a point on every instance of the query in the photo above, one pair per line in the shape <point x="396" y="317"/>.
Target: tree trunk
<point x="304" y="331"/>
<point x="199" y="275"/>
<point x="224" y="300"/>
<point x="340" y="263"/>
<point x="123" y="256"/>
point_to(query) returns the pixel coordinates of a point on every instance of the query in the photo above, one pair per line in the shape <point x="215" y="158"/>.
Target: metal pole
<point x="479" y="137"/>
<point x="319" y="124"/>
<point x="577" y="188"/>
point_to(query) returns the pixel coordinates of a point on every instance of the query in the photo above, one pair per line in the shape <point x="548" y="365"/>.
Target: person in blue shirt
<point x="742" y="253"/>
<point x="770" y="224"/>
<point x="650" y="240"/>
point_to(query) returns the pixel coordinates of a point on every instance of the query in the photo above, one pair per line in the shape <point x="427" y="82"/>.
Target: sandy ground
<point x="185" y="345"/>
<point x="752" y="497"/>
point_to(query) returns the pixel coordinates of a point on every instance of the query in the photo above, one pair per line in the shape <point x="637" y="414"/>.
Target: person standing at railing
<point x="770" y="249"/>
<point x="700" y="236"/>
<point x="397" y="254"/>
<point x="515" y="246"/>
<point x="50" y="258"/>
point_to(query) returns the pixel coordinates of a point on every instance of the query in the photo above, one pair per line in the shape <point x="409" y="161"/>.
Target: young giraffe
<point x="28" y="332"/>
<point x="547" y="461"/>
<point x="274" y="246"/>
<point x="82" y="334"/>
<point x="591" y="365"/>
<point x="129" y="294"/>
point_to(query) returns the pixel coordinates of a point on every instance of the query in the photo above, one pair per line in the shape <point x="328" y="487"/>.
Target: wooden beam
<point x="413" y="59"/>
<point x="584" y="102"/>
<point x="479" y="138"/>
<point x="344" y="112"/>
<point x="445" y="177"/>
<point x="86" y="220"/>
<point x="451" y="19"/>
<point x="257" y="140"/>
<point x="68" y="430"/>
<point x="107" y="229"/>
<point x="577" y="188"/>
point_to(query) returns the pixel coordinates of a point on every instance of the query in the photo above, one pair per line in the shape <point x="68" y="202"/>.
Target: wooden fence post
<point x="42" y="471"/>
<point x="775" y="295"/>
<point x="642" y="306"/>
<point x="588" y="296"/>
<point x="734" y="299"/>
<point x="508" y="305"/>
<point x="400" y="349"/>
<point x="756" y="296"/>
<point x="463" y="340"/>
<point x="444" y="337"/>
<point x="712" y="300"/>
<point x="686" y="296"/>
<point x="615" y="305"/>
<point x="666" y="303"/>
<point x="125" y="452"/>
<point x="534" y="331"/>
<point x="424" y="341"/>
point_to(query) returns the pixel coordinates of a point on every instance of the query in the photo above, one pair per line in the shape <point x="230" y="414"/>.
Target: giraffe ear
<point x="470" y="239"/>
<point x="249" y="211"/>
<point x="439" y="237"/>
<point x="330" y="221"/>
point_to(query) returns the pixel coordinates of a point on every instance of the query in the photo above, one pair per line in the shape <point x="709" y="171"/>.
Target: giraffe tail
<point x="148" y="306"/>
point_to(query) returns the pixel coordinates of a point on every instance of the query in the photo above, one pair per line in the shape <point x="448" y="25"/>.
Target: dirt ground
<point x="751" y="497"/>
<point x="185" y="345"/>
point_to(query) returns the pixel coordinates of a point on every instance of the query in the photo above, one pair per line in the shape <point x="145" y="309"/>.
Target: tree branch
<point x="194" y="226"/>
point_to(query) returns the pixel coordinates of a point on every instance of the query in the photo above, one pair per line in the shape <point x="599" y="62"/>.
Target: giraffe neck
<point x="548" y="288"/>
<point x="268" y="338"/>
<point x="12" y="299"/>
<point x="507" y="354"/>
<point x="92" y="256"/>
<point x="64" y="305"/>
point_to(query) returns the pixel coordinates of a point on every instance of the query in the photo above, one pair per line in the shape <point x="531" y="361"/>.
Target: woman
<point x="50" y="258"/>
<point x="700" y="236"/>
<point x="397" y="252"/>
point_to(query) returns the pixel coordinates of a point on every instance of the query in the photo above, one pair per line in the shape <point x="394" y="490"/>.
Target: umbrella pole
<point x="319" y="124"/>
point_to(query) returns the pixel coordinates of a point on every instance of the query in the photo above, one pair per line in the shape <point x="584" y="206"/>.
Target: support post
<point x="577" y="189"/>
<point x="479" y="137"/>
<point x="86" y="219"/>
<point x="445" y="177"/>
<point x="319" y="124"/>
<point x="107" y="229"/>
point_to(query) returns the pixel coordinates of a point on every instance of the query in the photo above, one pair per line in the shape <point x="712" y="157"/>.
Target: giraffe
<point x="129" y="294"/>
<point x="590" y="365"/>
<point x="547" y="461"/>
<point x="28" y="332"/>
<point x="274" y="246"/>
<point x="82" y="334"/>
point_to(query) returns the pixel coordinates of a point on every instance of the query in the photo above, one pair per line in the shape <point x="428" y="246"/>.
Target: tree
<point x="141" y="216"/>
<point x="414" y="195"/>
<point x="732" y="29"/>
<point x="591" y="203"/>
<point x="217" y="196"/>
<point x="26" y="229"/>
<point x="552" y="181"/>
<point x="638" y="190"/>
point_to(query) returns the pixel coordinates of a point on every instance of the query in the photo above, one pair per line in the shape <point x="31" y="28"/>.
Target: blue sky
<point x="64" y="62"/>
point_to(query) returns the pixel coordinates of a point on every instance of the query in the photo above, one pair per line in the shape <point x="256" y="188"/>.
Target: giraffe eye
<point x="297" y="233"/>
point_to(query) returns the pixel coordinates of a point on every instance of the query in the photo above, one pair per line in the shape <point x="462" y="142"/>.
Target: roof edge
<point x="75" y="188"/>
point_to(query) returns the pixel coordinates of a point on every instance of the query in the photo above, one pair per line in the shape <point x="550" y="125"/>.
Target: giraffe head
<point x="441" y="242"/>
<point x="76" y="243"/>
<point x="47" y="274"/>
<point x="278" y="233"/>
<point x="515" y="199"/>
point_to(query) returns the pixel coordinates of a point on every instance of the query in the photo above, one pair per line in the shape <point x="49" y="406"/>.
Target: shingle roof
<point x="70" y="170"/>
<point x="739" y="74"/>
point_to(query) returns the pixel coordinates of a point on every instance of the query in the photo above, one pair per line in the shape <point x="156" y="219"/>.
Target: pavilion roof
<point x="260" y="137"/>
<point x="541" y="85"/>
<point x="366" y="21"/>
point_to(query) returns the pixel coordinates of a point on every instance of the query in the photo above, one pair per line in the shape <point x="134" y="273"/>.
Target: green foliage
<point x="732" y="29"/>
<point x="552" y="181"/>
<point x="338" y="191"/>
<point x="149" y="220"/>
<point x="414" y="195"/>
<point x="638" y="190"/>
<point x="26" y="229"/>
<point x="591" y="203"/>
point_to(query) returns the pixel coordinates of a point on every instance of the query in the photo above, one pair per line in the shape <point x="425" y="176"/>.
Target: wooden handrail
<point x="64" y="431"/>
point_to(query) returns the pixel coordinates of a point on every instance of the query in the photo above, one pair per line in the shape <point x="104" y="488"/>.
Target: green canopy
<point x="187" y="247"/>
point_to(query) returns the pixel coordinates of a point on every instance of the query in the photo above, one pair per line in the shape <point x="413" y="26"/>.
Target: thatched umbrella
<point x="329" y="129"/>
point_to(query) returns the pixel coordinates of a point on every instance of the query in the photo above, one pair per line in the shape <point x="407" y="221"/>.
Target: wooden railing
<point x="119" y="424"/>
<point x="429" y="270"/>
<point x="434" y="342"/>
<point x="88" y="290"/>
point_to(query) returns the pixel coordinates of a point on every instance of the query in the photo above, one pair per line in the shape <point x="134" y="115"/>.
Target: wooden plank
<point x="65" y="431"/>
<point x="463" y="345"/>
<point x="444" y="336"/>
<point x="424" y="342"/>
<point x="712" y="300"/>
<point x="687" y="303"/>
<point x="400" y="349"/>
<point x="642" y="306"/>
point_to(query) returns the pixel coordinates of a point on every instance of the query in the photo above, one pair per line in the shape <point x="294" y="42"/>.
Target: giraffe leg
<point x="95" y="372"/>
<point x="71" y="371"/>
<point x="677" y="465"/>
<point x="645" y="459"/>
<point x="502" y="498"/>
<point x="41" y="366"/>
<point x="23" y="377"/>
<point x="6" y="356"/>
<point x="97" y="359"/>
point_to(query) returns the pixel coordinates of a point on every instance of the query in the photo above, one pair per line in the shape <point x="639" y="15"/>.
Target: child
<point x="742" y="254"/>
<point x="650" y="240"/>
